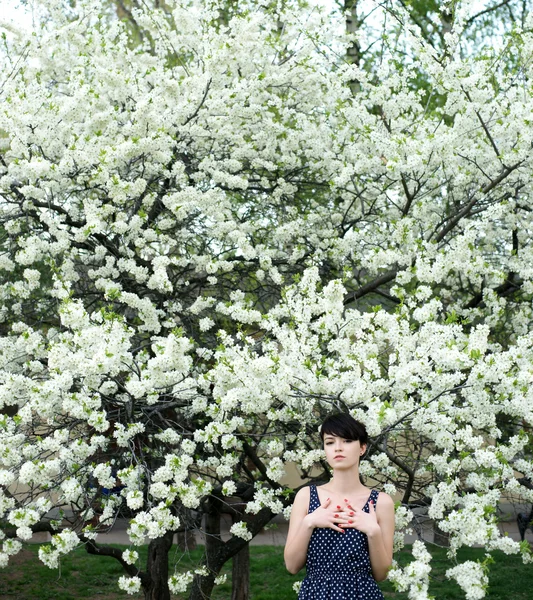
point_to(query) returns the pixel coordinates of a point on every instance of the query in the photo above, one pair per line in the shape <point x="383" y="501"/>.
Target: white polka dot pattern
<point x="338" y="564"/>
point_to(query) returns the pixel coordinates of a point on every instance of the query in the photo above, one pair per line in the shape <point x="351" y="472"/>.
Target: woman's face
<point x="342" y="452"/>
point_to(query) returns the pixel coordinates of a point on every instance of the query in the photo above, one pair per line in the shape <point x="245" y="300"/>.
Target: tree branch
<point x="487" y="10"/>
<point x="371" y="286"/>
<point x="95" y="549"/>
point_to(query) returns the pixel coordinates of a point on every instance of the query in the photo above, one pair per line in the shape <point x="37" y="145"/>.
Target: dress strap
<point x="374" y="494"/>
<point x="314" y="500"/>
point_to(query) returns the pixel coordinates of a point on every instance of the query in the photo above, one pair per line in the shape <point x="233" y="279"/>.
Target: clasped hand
<point x="346" y="516"/>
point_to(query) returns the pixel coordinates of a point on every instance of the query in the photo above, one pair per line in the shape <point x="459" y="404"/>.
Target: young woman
<point x="341" y="531"/>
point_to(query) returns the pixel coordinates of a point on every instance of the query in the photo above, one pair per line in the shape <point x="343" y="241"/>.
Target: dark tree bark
<point x="156" y="587"/>
<point x="353" y="53"/>
<point x="203" y="584"/>
<point x="219" y="552"/>
<point x="441" y="538"/>
<point x="241" y="573"/>
<point x="186" y="540"/>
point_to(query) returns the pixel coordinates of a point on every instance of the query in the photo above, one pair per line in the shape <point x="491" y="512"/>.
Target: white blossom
<point x="471" y="577"/>
<point x="179" y="582"/>
<point x="240" y="530"/>
<point x="131" y="585"/>
<point x="130" y="556"/>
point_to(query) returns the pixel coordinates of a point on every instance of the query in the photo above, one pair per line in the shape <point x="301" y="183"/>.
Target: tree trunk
<point x="186" y="540"/>
<point x="218" y="552"/>
<point x="157" y="568"/>
<point x="441" y="538"/>
<point x="202" y="585"/>
<point x="353" y="53"/>
<point x="241" y="575"/>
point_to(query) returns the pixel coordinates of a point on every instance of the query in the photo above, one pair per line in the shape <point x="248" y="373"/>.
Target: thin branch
<point x="202" y="101"/>
<point x="371" y="286"/>
<point x="487" y="10"/>
<point x="403" y="417"/>
<point x="93" y="548"/>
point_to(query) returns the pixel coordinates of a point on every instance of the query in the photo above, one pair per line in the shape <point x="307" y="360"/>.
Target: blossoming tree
<point x="215" y="229"/>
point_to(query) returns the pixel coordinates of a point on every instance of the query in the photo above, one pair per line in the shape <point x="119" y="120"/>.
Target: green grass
<point x="84" y="576"/>
<point x="509" y="577"/>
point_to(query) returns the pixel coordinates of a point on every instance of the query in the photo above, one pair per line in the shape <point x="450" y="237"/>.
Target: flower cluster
<point x="61" y="543"/>
<point x="179" y="582"/>
<point x="131" y="585"/>
<point x="241" y="530"/>
<point x="414" y="578"/>
<point x="471" y="577"/>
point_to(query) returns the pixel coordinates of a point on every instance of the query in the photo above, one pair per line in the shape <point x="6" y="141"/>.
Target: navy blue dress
<point x="338" y="564"/>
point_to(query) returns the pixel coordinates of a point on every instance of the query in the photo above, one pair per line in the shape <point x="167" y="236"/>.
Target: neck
<point x="346" y="481"/>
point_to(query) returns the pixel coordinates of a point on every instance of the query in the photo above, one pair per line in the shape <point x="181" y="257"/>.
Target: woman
<point x="341" y="531"/>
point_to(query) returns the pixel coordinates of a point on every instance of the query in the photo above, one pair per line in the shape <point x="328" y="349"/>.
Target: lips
<point x="337" y="457"/>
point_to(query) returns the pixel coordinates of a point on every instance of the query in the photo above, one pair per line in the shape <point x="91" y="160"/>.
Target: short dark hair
<point x="345" y="426"/>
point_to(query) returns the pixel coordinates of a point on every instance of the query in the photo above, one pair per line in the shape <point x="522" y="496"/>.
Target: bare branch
<point x="486" y="11"/>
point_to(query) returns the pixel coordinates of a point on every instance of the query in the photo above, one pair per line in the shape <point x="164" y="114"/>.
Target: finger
<point x="326" y="503"/>
<point x="341" y="515"/>
<point x="340" y="518"/>
<point x="336" y="528"/>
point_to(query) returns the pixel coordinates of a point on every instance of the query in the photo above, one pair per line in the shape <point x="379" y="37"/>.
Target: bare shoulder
<point x="301" y="500"/>
<point x="300" y="508"/>
<point x="304" y="492"/>
<point x="385" y="502"/>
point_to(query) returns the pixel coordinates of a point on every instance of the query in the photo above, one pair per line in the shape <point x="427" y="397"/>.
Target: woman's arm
<point x="300" y="532"/>
<point x="380" y="538"/>
<point x="301" y="526"/>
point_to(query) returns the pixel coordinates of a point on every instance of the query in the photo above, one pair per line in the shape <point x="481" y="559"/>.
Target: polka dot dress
<point x="338" y="564"/>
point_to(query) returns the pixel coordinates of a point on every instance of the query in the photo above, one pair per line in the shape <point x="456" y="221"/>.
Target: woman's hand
<point x="327" y="516"/>
<point x="357" y="518"/>
<point x="341" y="517"/>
